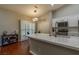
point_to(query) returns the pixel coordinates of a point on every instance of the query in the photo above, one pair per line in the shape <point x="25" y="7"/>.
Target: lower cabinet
<point x="43" y="48"/>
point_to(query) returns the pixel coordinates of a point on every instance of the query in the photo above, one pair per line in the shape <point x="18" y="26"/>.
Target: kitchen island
<point x="43" y="44"/>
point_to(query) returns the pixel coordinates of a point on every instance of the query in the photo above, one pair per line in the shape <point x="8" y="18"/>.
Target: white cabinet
<point x="63" y="19"/>
<point x="73" y="21"/>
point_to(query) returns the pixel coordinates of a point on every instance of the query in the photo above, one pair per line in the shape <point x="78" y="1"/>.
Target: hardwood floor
<point x="20" y="48"/>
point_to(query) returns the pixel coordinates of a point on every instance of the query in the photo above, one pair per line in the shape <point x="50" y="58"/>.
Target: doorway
<point x="26" y="28"/>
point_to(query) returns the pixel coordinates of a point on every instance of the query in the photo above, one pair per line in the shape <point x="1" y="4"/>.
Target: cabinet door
<point x="61" y="19"/>
<point x="73" y="21"/>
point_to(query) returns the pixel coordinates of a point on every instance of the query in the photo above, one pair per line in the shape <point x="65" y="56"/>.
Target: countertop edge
<point x="62" y="45"/>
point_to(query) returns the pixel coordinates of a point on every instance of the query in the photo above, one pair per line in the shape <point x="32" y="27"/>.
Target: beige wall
<point x="43" y="24"/>
<point x="9" y="21"/>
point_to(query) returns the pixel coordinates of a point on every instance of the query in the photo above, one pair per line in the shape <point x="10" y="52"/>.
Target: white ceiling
<point x="28" y="9"/>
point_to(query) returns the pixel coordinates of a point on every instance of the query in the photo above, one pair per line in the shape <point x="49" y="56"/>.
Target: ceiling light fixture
<point x="35" y="19"/>
<point x="35" y="8"/>
<point x="35" y="11"/>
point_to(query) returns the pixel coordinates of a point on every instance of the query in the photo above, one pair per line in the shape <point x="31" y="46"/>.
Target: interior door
<point x="27" y="28"/>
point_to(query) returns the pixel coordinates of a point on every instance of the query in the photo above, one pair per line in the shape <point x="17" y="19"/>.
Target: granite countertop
<point x="71" y="42"/>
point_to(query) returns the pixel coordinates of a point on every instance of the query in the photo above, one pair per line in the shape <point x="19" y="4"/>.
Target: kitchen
<point x="63" y="35"/>
<point x="49" y="29"/>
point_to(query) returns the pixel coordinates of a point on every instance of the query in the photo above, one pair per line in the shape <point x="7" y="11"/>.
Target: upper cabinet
<point x="63" y="19"/>
<point x="72" y="20"/>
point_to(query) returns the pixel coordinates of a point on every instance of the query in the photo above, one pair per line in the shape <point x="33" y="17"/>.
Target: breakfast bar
<point x="43" y="44"/>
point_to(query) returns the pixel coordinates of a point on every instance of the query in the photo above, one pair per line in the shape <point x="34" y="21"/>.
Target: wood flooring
<point x="19" y="48"/>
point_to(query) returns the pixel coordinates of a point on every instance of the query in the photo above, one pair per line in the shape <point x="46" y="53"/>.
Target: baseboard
<point x="33" y="53"/>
